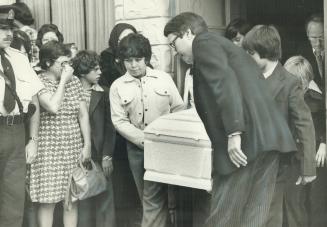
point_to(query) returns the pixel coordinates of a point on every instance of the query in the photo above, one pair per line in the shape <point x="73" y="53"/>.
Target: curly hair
<point x="84" y="62"/>
<point x="50" y="52"/>
<point x="45" y="29"/>
<point x="135" y="45"/>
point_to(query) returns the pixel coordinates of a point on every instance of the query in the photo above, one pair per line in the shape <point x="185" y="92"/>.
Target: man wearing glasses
<point x="315" y="54"/>
<point x="247" y="131"/>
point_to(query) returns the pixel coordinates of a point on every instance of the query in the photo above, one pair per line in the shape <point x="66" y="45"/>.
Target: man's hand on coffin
<point x="234" y="151"/>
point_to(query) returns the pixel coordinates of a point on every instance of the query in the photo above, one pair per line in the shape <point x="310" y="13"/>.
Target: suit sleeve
<point x="301" y="120"/>
<point x="110" y="132"/>
<point x="212" y="62"/>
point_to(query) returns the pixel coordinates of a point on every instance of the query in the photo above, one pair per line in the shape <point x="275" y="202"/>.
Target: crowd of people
<point x="59" y="107"/>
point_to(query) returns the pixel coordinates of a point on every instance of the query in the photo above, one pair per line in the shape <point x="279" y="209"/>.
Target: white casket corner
<point x="177" y="151"/>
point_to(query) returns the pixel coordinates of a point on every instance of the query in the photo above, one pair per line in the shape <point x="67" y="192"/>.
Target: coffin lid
<point x="184" y="124"/>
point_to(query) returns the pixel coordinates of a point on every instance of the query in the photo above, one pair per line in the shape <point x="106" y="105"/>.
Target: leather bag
<point x="85" y="183"/>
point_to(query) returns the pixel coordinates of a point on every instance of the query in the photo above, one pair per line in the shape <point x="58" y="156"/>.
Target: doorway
<point x="288" y="16"/>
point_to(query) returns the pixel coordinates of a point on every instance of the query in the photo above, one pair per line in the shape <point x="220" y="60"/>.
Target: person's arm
<point x="34" y="122"/>
<point x="83" y="118"/>
<point x="121" y="121"/>
<point x="110" y="139"/>
<point x="212" y="62"/>
<point x="52" y="102"/>
<point x="301" y="120"/>
<point x="175" y="100"/>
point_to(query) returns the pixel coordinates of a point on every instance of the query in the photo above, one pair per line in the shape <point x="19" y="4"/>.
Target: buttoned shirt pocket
<point x="162" y="99"/>
<point x="126" y="98"/>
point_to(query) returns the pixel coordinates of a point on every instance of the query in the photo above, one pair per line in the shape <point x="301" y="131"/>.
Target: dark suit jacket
<point x="230" y="95"/>
<point x="287" y="92"/>
<point x="315" y="101"/>
<point x="103" y="134"/>
<point x="307" y="52"/>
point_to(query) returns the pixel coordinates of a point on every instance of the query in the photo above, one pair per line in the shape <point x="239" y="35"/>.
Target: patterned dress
<point x="59" y="146"/>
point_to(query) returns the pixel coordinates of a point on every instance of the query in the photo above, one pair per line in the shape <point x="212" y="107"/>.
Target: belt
<point x="12" y="119"/>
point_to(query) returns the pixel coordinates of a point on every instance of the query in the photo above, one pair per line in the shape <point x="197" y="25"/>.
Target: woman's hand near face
<point x="67" y="73"/>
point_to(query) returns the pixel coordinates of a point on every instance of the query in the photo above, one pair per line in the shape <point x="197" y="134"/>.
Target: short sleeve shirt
<point x="27" y="82"/>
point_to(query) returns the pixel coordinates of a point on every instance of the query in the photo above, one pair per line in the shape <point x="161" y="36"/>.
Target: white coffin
<point x="177" y="151"/>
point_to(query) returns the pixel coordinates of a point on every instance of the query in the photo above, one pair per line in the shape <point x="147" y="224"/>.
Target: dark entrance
<point x="288" y="15"/>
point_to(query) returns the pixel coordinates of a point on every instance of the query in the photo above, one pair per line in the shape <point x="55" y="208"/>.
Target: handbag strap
<point x="68" y="196"/>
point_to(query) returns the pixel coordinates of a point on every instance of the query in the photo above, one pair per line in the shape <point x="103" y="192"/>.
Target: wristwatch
<point x="33" y="138"/>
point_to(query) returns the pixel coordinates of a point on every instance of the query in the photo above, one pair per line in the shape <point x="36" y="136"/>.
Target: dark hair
<point x="265" y="40"/>
<point x="135" y="45"/>
<point x="316" y="17"/>
<point x="179" y="24"/>
<point x="23" y="13"/>
<point x="237" y="25"/>
<point x="48" y="28"/>
<point x="84" y="62"/>
<point x="115" y="33"/>
<point x="50" y="52"/>
<point x="20" y="39"/>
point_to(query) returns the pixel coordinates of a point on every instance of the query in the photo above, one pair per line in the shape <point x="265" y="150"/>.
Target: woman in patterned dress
<point x="64" y="134"/>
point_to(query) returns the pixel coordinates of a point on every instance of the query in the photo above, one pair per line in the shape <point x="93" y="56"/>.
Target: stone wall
<point x="149" y="17"/>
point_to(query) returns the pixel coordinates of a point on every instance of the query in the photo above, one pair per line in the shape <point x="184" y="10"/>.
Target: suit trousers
<point x="12" y="175"/>
<point x="243" y="198"/>
<point x="295" y="209"/>
<point x="318" y="199"/>
<point x="275" y="218"/>
<point x="98" y="211"/>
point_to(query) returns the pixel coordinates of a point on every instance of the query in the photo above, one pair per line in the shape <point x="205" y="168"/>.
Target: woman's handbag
<point x="84" y="183"/>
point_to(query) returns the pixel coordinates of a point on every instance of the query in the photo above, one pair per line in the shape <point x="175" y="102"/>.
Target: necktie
<point x="320" y="63"/>
<point x="9" y="99"/>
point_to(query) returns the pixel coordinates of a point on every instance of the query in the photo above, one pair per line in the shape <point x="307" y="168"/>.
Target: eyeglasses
<point x="172" y="44"/>
<point x="64" y="63"/>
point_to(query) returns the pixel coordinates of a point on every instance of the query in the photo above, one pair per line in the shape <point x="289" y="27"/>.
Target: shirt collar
<point x="314" y="86"/>
<point x="149" y="73"/>
<point x="322" y="53"/>
<point x="270" y="71"/>
<point x="95" y="87"/>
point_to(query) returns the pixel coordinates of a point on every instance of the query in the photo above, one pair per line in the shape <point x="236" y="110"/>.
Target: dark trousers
<point x="295" y="209"/>
<point x="243" y="198"/>
<point x="318" y="199"/>
<point x="12" y="175"/>
<point x="136" y="163"/>
<point x="127" y="203"/>
<point x="98" y="211"/>
<point x="275" y="218"/>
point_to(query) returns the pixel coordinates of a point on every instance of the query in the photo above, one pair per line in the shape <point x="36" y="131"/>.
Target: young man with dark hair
<point x="236" y="30"/>
<point x="246" y="130"/>
<point x="137" y="98"/>
<point x="100" y="210"/>
<point x="263" y="43"/>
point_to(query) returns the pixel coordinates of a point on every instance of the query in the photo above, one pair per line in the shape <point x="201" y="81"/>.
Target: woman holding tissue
<point x="64" y="134"/>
